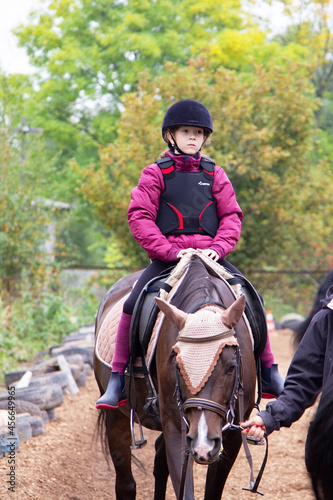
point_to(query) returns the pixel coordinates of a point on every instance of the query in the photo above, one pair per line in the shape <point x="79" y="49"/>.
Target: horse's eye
<point x="231" y="369"/>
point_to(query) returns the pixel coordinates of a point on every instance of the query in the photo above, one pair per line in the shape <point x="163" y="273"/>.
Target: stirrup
<point x="141" y="442"/>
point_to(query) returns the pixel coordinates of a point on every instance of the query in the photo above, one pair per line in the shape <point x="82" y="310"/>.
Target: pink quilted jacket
<point x="144" y="206"/>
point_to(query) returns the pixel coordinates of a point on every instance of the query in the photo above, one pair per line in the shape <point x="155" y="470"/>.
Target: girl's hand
<point x="183" y="252"/>
<point x="255" y="427"/>
<point x="209" y="253"/>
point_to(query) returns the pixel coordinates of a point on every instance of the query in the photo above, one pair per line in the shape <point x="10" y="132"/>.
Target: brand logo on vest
<point x="200" y="183"/>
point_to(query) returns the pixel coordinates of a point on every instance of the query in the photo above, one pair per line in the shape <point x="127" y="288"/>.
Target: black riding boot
<point x="115" y="394"/>
<point x="272" y="382"/>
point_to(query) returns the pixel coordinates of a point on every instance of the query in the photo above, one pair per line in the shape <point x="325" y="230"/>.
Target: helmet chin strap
<point x="175" y="146"/>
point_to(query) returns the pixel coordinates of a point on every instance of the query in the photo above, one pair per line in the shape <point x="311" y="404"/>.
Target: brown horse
<point x="194" y="407"/>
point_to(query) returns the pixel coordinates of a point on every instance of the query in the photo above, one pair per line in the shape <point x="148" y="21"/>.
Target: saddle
<point x="146" y="310"/>
<point x="145" y="314"/>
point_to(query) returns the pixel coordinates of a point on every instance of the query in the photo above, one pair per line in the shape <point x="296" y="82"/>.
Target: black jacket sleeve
<point x="305" y="375"/>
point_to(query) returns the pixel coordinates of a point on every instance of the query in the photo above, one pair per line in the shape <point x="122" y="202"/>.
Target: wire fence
<point x="257" y="271"/>
<point x="284" y="290"/>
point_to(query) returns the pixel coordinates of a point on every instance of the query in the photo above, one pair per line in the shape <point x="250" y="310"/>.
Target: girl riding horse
<point x="183" y="201"/>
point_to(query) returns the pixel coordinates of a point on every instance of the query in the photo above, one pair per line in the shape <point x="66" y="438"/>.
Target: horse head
<point x="208" y="364"/>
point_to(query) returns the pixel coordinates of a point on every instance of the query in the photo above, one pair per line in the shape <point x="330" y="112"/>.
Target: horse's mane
<point x="196" y="288"/>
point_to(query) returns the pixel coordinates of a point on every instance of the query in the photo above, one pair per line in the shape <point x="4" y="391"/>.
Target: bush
<point x="285" y="293"/>
<point x="34" y="320"/>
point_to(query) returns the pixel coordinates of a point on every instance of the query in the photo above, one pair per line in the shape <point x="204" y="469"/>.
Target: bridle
<point x="227" y="413"/>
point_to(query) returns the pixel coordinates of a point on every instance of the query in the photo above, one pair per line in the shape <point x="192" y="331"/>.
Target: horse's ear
<point x="233" y="314"/>
<point x="174" y="314"/>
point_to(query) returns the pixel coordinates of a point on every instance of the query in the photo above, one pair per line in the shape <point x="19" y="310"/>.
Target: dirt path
<point x="65" y="464"/>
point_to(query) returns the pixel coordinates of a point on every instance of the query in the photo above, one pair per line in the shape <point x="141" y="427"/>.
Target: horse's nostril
<point x="218" y="445"/>
<point x="206" y="451"/>
<point x="189" y="441"/>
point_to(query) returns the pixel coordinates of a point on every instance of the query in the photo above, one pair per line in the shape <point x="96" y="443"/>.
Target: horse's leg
<point x="218" y="471"/>
<point x="118" y="435"/>
<point x="161" y="471"/>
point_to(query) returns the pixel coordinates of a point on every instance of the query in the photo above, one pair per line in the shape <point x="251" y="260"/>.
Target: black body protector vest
<point x="187" y="205"/>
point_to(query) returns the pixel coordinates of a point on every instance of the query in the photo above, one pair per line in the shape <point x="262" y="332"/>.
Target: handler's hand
<point x="255" y="427"/>
<point x="209" y="253"/>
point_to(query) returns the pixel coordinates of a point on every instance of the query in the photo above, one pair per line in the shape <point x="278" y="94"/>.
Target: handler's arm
<point x="303" y="382"/>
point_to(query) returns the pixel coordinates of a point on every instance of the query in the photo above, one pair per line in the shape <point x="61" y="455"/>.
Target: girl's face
<point x="188" y="139"/>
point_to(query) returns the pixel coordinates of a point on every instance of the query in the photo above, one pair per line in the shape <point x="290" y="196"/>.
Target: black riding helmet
<point x="190" y="113"/>
<point x="186" y="112"/>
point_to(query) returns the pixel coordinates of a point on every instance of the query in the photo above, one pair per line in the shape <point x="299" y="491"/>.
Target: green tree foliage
<point x="310" y="29"/>
<point x="33" y="311"/>
<point x="90" y="53"/>
<point x="23" y="222"/>
<point x="263" y="139"/>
